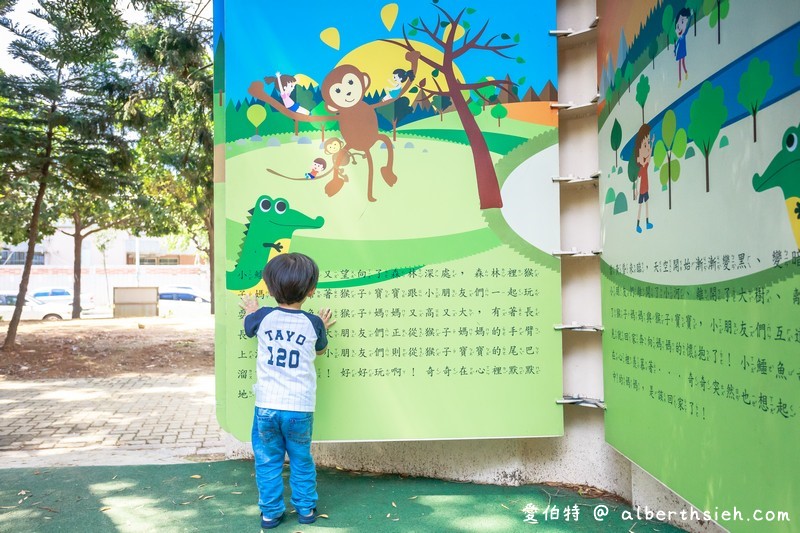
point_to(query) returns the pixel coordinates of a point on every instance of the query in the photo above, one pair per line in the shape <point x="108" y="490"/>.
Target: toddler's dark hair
<point x="290" y="277"/>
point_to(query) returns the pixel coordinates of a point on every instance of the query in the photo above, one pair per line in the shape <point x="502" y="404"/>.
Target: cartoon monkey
<point x="343" y="91"/>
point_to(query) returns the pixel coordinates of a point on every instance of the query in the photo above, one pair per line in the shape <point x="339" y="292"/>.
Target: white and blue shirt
<point x="288" y="342"/>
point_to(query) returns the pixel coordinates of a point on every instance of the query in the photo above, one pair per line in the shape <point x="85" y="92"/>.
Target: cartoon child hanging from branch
<point x="286" y="85"/>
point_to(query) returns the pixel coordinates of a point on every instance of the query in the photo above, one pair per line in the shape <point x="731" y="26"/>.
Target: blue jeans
<point x="276" y="433"/>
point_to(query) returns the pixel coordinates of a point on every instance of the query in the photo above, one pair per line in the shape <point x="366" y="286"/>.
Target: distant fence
<point x="100" y="282"/>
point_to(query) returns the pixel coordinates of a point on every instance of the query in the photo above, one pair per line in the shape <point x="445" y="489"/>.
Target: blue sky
<point x="262" y="37"/>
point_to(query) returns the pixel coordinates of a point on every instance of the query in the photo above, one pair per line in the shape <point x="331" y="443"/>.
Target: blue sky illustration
<point x="262" y="37"/>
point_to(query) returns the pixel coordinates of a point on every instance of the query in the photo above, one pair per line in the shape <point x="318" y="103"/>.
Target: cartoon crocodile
<point x="784" y="172"/>
<point x="267" y="234"/>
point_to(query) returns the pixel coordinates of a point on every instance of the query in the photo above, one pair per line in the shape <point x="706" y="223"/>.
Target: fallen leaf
<point x="236" y="492"/>
<point x="196" y="476"/>
<point x="413" y="498"/>
<point x="207" y="497"/>
<point x="104" y="509"/>
<point x="389" y="515"/>
<point x="394" y="504"/>
<point x="322" y="516"/>
<point x="504" y="507"/>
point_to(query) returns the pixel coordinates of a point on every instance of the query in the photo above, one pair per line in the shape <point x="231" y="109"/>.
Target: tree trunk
<point x="488" y="188"/>
<point x="669" y="180"/>
<point x="296" y="128"/>
<point x="755" y="134"/>
<point x="719" y="22"/>
<point x="394" y="130"/>
<point x="220" y="97"/>
<point x="323" y="133"/>
<point x="77" y="244"/>
<point x="707" y="182"/>
<point x="33" y="235"/>
<point x="642" y="114"/>
<point x="441" y="116"/>
<point x="498" y="122"/>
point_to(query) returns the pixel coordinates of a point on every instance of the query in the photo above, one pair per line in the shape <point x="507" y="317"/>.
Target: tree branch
<point x="410" y="48"/>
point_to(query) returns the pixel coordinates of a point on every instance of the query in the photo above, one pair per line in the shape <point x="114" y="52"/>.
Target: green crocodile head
<point x="268" y="233"/>
<point x="274" y="219"/>
<point x="784" y="169"/>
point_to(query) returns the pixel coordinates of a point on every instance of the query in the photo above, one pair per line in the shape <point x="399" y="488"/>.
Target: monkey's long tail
<point x="286" y="177"/>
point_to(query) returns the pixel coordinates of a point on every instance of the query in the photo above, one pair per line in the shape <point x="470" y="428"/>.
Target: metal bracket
<point x="576" y="253"/>
<point x="578" y="327"/>
<point x="575" y="179"/>
<point x="582" y="401"/>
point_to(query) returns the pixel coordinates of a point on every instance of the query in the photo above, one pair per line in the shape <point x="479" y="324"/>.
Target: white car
<point x="61" y="294"/>
<point x="34" y="309"/>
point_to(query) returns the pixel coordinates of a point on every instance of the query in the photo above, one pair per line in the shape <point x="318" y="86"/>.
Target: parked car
<point x="61" y="294"/>
<point x="189" y="294"/>
<point x="34" y="309"/>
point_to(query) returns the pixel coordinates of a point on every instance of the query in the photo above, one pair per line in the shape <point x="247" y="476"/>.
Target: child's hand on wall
<point x="249" y="303"/>
<point x="327" y="318"/>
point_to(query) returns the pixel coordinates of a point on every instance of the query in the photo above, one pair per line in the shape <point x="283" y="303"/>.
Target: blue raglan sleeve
<point x="322" y="334"/>
<point x="253" y="320"/>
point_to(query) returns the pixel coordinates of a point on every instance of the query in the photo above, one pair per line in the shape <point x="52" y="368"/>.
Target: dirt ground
<point x="107" y="347"/>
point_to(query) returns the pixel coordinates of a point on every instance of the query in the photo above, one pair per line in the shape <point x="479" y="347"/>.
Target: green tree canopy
<point x="708" y="113"/>
<point x="616" y="140"/>
<point x="668" y="151"/>
<point x="753" y="87"/>
<point x="716" y="11"/>
<point x="642" y="91"/>
<point x="54" y="116"/>
<point x="499" y="112"/>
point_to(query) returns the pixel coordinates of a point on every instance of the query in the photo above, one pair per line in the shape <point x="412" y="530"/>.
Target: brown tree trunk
<point x="77" y="244"/>
<point x="707" y="181"/>
<point x="394" y="130"/>
<point x="323" y="133"/>
<point x="755" y="134"/>
<point x="488" y="188"/>
<point x="220" y="97"/>
<point x="296" y="128"/>
<point x="33" y="235"/>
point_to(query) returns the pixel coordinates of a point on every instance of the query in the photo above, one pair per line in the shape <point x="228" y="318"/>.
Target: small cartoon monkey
<point x="343" y="91"/>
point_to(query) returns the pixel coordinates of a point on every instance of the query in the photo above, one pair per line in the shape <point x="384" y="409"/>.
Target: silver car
<point x="34" y="309"/>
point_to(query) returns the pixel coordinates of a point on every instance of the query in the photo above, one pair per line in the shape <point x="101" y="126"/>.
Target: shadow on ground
<point x="222" y="497"/>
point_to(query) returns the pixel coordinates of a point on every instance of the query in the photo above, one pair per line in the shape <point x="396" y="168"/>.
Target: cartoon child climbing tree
<point x="399" y="77"/>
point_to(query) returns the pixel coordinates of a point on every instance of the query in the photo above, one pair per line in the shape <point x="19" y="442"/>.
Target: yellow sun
<point x="379" y="59"/>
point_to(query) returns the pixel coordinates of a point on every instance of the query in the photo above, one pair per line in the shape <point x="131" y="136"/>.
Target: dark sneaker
<point x="308" y="518"/>
<point x="269" y="523"/>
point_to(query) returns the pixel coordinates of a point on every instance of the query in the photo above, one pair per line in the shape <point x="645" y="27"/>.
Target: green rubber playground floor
<point x="221" y="497"/>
